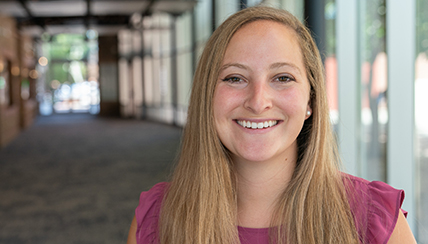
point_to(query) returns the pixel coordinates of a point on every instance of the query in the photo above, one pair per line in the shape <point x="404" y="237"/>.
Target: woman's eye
<point x="233" y="79"/>
<point x="285" y="79"/>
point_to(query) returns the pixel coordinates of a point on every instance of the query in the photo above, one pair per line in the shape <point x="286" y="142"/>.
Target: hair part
<point x="200" y="206"/>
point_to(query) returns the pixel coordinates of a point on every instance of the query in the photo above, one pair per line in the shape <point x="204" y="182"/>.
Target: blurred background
<point x="94" y="94"/>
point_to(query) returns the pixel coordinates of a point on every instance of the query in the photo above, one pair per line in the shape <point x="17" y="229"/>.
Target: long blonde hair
<point x="200" y="206"/>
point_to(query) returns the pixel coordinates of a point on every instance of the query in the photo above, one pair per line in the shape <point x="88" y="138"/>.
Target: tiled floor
<point x="77" y="178"/>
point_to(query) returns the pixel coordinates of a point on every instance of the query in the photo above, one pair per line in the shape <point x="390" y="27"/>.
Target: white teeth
<point x="254" y="125"/>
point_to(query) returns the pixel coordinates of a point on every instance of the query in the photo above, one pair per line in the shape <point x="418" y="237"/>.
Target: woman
<point x="258" y="162"/>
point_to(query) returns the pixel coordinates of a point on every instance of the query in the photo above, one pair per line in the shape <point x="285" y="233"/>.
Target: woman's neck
<point x="258" y="187"/>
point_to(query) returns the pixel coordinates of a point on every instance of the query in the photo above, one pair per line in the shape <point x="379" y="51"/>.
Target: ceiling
<point x="35" y="17"/>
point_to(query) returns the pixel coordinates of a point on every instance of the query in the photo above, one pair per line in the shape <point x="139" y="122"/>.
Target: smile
<point x="259" y="125"/>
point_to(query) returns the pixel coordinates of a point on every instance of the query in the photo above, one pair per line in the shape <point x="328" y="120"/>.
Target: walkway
<point x="77" y="178"/>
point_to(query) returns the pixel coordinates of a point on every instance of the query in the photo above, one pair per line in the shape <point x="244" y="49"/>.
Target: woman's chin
<point x="255" y="157"/>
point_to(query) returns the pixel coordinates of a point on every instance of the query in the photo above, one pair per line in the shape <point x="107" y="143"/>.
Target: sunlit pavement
<point x="77" y="178"/>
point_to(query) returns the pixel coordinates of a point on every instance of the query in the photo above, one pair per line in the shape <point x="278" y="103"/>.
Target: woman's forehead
<point x="264" y="41"/>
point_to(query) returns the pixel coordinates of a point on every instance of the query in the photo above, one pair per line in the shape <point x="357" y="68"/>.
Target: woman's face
<point x="262" y="95"/>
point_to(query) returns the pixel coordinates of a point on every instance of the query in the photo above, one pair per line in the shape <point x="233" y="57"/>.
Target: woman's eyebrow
<point x="238" y="65"/>
<point x="282" y="64"/>
<point x="272" y="66"/>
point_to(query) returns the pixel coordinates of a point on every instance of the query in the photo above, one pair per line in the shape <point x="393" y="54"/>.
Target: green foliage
<point x="66" y="54"/>
<point x="422" y="26"/>
<point x="373" y="28"/>
<point x="25" y="83"/>
<point x="58" y="73"/>
<point x="330" y="27"/>
<point x="69" y="47"/>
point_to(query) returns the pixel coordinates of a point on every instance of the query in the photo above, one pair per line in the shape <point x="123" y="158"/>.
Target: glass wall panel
<point x="203" y="25"/>
<point x="421" y="116"/>
<point x="165" y="55"/>
<point x="225" y="8"/>
<point x="156" y="67"/>
<point x="125" y="73"/>
<point x="4" y="83"/>
<point x="184" y="64"/>
<point x="273" y="3"/>
<point x="374" y="106"/>
<point x="158" y="51"/>
<point x="148" y="81"/>
<point x="137" y="75"/>
<point x="124" y="87"/>
<point x="251" y="3"/>
<point x="330" y="61"/>
<point x="296" y="7"/>
<point x="148" y="62"/>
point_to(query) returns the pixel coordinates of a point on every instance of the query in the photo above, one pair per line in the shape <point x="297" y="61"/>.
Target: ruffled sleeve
<point x="375" y="206"/>
<point x="147" y="213"/>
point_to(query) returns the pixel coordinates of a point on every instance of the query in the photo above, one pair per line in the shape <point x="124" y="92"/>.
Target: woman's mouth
<point x="257" y="125"/>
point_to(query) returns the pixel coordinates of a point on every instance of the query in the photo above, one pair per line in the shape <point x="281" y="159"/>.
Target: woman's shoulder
<point x="147" y="212"/>
<point x="375" y="206"/>
<point x="375" y="193"/>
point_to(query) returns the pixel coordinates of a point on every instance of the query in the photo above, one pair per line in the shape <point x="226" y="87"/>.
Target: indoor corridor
<point x="94" y="95"/>
<point x="76" y="178"/>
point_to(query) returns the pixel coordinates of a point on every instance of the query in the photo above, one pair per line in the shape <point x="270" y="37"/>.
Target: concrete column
<point x="348" y="83"/>
<point x="401" y="42"/>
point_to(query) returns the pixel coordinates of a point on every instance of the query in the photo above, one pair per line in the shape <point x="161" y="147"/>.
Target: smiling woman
<point x="258" y="162"/>
<point x="264" y="82"/>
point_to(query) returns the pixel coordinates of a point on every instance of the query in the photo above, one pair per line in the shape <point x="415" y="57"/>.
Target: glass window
<point x="4" y="83"/>
<point x="251" y="3"/>
<point x="374" y="106"/>
<point x="330" y="61"/>
<point x="203" y="24"/>
<point x="421" y="116"/>
<point x="225" y="8"/>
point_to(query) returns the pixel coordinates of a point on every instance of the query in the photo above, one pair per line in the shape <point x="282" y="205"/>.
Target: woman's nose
<point x="258" y="98"/>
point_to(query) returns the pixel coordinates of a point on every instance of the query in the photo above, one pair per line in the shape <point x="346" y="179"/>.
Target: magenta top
<point x="375" y="206"/>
